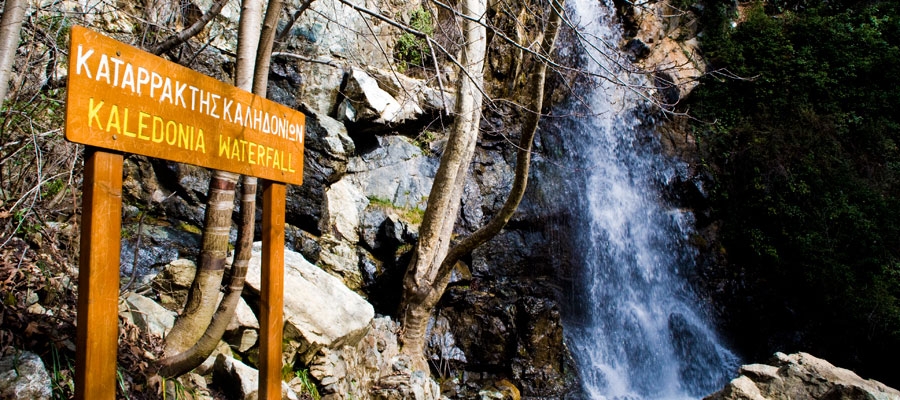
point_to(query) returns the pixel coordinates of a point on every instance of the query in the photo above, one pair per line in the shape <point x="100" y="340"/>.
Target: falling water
<point x="635" y="327"/>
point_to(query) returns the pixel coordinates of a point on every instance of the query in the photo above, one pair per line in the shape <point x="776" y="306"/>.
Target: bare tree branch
<point x="191" y="31"/>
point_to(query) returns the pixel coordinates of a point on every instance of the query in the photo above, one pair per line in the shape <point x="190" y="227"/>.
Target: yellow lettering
<point x="277" y="163"/>
<point x="125" y="125"/>
<point x="269" y="155"/>
<point x="250" y="151"/>
<point x="290" y="163"/>
<point x="201" y="142"/>
<point x="158" y="134"/>
<point x="185" y="136"/>
<point x="171" y="133"/>
<point x="223" y="146"/>
<point x="142" y="125"/>
<point x="236" y="151"/>
<point x="92" y="111"/>
<point x="113" y="121"/>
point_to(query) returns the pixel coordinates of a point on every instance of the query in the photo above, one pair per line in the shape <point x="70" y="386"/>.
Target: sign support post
<point x="98" y="277"/>
<point x="272" y="290"/>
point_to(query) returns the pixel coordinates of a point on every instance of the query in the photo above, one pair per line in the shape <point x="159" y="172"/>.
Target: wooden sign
<point x="125" y="99"/>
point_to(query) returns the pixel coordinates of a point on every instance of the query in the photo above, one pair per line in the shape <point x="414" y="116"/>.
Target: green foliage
<point x="804" y="155"/>
<point x="308" y="386"/>
<point x="412" y="50"/>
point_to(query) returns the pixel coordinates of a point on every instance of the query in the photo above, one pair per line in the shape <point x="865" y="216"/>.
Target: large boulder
<point x="319" y="310"/>
<point x="23" y="376"/>
<point x="801" y="376"/>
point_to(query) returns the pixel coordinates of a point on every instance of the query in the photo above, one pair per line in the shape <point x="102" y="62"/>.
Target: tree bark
<point x="419" y="294"/>
<point x="10" y="30"/>
<point x="204" y="292"/>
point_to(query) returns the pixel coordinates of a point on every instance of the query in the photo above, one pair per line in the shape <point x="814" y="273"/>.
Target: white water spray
<point x="635" y="327"/>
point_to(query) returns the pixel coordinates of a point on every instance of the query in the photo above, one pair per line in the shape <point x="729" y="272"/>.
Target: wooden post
<point x="271" y="313"/>
<point x="98" y="277"/>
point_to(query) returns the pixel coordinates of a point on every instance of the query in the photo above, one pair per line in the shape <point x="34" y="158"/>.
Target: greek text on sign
<point x="125" y="99"/>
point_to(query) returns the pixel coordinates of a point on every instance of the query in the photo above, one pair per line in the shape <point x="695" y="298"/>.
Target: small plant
<point x="308" y="386"/>
<point x="61" y="382"/>
<point x="412" y="49"/>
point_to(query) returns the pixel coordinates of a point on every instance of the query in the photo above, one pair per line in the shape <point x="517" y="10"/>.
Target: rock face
<point x="801" y="376"/>
<point x="319" y="310"/>
<point x="373" y="368"/>
<point x="662" y="39"/>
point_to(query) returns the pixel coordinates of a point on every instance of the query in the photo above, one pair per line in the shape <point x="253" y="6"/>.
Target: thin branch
<point x="523" y="158"/>
<point x="295" y="56"/>
<point x="287" y="27"/>
<point x="190" y="32"/>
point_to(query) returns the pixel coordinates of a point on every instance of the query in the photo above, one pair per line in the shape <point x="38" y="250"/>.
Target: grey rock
<point x="23" y="376"/>
<point x="396" y="171"/>
<point x="148" y="315"/>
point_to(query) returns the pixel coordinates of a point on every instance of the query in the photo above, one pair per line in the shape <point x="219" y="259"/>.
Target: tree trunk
<point x="10" y="30"/>
<point x="420" y="293"/>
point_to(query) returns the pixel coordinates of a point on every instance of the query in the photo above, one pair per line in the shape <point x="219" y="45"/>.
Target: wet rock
<point x="319" y="310"/>
<point x="513" y="330"/>
<point x="160" y="245"/>
<point x="801" y="376"/>
<point x="23" y="376"/>
<point x="696" y="350"/>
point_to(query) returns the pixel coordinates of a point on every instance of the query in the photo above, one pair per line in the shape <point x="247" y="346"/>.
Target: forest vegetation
<point x="802" y="153"/>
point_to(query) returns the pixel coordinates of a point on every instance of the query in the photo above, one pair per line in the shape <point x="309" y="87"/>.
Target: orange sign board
<point x="125" y="99"/>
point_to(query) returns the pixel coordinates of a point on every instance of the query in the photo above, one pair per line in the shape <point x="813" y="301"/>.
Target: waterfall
<point x="635" y="327"/>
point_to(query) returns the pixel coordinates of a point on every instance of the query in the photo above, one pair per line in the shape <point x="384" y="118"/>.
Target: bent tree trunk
<point x="419" y="294"/>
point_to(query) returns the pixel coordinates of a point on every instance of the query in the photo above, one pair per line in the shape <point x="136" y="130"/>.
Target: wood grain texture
<point x="98" y="278"/>
<point x="272" y="294"/>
